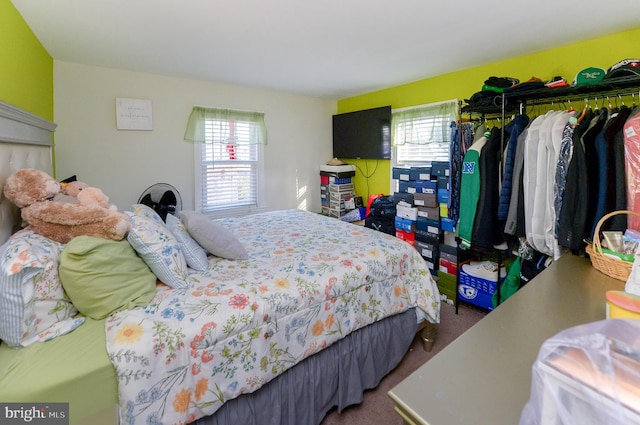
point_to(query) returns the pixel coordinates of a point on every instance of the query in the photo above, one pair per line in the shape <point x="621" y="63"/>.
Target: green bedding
<point x="71" y="368"/>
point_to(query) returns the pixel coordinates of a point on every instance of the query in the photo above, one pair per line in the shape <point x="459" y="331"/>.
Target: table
<point x="484" y="376"/>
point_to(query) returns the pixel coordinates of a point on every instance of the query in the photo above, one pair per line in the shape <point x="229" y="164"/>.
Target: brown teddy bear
<point x="35" y="192"/>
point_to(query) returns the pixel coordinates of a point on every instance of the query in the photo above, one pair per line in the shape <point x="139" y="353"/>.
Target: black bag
<point x="382" y="215"/>
<point x="383" y="206"/>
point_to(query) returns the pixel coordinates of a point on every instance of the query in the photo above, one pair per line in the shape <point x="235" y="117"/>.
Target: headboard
<point x="25" y="142"/>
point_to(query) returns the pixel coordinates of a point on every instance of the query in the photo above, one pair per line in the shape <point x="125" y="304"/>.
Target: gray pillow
<point x="213" y="236"/>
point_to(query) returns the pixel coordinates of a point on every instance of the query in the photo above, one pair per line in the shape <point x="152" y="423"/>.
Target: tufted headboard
<point x="25" y="142"/>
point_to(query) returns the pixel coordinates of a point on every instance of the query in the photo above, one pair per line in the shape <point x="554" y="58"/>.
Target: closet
<point x="554" y="164"/>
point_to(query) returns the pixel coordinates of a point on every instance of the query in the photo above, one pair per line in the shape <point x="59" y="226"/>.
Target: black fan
<point x="162" y="198"/>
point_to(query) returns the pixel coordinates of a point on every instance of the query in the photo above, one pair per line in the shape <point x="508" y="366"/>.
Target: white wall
<point x="124" y="163"/>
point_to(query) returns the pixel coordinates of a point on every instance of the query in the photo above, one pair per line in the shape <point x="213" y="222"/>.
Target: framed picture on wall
<point x="134" y="114"/>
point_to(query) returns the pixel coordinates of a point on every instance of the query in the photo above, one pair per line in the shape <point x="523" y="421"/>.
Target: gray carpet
<point x="377" y="407"/>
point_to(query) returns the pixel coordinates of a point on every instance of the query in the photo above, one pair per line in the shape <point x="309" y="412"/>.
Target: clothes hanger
<point x="584" y="111"/>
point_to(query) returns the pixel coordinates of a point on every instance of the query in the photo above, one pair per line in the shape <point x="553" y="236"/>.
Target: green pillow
<point x="102" y="276"/>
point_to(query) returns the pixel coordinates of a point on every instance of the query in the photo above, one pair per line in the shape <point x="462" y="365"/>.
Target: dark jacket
<point x="487" y="231"/>
<point x="573" y="213"/>
<point x="514" y="129"/>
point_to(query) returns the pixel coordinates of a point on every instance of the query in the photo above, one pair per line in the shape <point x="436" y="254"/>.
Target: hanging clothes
<point x="487" y="231"/>
<point x="593" y="175"/>
<point x="562" y="169"/>
<point x="530" y="171"/>
<point x="469" y="191"/>
<point x="462" y="135"/>
<point x="573" y="211"/>
<point x="616" y="194"/>
<point x="513" y="130"/>
<point x="632" y="166"/>
<point x="514" y="224"/>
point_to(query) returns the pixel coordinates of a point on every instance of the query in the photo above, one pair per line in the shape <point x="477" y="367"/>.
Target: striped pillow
<point x="33" y="304"/>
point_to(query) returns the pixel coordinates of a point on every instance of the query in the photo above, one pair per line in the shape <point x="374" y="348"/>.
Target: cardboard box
<point x="426" y="186"/>
<point x="447" y="284"/>
<point x="407" y="186"/>
<point x="402" y="174"/>
<point x="432" y="265"/>
<point x="447" y="224"/>
<point x="433" y="226"/>
<point x="428" y="212"/>
<point x="405" y="224"/>
<point x="452" y="258"/>
<point x="406" y="236"/>
<point x="444" y="210"/>
<point x="440" y="169"/>
<point x="443" y="183"/>
<point x="405" y="210"/>
<point x="443" y="196"/>
<point x="420" y="173"/>
<point x="403" y="196"/>
<point x="427" y="250"/>
<point x="448" y="266"/>
<point x="425" y="200"/>
<point x="424" y="236"/>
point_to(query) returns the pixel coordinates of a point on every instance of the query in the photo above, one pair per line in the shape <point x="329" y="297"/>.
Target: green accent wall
<point x="26" y="74"/>
<point x="565" y="61"/>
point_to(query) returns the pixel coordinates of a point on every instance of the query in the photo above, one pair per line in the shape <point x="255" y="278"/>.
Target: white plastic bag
<point x="587" y="375"/>
<point x="632" y="285"/>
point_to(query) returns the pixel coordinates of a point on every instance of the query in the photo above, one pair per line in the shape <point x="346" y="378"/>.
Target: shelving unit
<point x="517" y="101"/>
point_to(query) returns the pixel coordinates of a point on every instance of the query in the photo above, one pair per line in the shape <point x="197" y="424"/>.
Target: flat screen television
<point x="363" y="134"/>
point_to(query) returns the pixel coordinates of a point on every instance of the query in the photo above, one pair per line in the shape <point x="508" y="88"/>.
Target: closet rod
<point x="580" y="97"/>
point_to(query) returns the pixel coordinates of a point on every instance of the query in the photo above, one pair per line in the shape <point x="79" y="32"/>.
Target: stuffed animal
<point x="72" y="188"/>
<point x="85" y="194"/>
<point x="34" y="191"/>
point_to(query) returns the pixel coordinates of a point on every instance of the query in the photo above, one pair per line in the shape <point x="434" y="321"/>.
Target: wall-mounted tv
<point x="363" y="134"/>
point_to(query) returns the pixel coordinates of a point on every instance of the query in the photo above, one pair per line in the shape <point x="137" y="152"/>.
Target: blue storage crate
<point x="476" y="291"/>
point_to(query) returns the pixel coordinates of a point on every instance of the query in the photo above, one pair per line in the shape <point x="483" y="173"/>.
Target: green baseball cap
<point x="589" y="76"/>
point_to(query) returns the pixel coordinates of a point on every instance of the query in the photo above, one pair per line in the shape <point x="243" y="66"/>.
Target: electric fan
<point x="162" y="198"/>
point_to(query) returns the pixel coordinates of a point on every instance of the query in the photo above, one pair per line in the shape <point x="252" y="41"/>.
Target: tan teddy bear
<point x="34" y="191"/>
<point x="85" y="194"/>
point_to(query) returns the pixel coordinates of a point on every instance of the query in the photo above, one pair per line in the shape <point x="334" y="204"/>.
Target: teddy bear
<point x="34" y="192"/>
<point x="82" y="193"/>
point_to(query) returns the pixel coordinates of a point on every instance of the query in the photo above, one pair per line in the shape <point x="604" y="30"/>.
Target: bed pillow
<point x="33" y="304"/>
<point x="159" y="249"/>
<point x="102" y="276"/>
<point x="213" y="236"/>
<point x="194" y="254"/>
<point x="145" y="211"/>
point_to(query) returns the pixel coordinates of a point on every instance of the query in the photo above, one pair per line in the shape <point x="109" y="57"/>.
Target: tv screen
<point x="363" y="134"/>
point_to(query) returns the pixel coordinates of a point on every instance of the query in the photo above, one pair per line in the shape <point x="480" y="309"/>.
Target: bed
<point x="319" y="312"/>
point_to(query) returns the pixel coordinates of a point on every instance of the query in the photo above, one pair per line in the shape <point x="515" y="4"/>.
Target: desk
<point x="484" y="376"/>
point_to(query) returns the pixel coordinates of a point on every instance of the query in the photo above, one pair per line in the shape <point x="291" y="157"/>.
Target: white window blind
<point x="230" y="167"/>
<point x="422" y="134"/>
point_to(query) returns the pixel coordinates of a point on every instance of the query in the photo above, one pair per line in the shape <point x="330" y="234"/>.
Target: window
<point x="422" y="134"/>
<point x="229" y="162"/>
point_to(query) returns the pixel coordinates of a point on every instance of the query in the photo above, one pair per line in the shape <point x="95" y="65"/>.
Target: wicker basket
<point x="617" y="269"/>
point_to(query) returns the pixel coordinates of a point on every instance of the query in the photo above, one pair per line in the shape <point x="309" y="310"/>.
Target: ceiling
<point x="324" y="48"/>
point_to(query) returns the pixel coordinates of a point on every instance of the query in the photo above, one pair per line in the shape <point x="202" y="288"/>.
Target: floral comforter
<point x="310" y="281"/>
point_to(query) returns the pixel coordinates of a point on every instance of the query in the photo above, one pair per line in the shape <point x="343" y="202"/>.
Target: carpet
<point x="377" y="407"/>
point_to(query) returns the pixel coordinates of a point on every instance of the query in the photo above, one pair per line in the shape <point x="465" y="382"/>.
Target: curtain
<point x="422" y="125"/>
<point x="196" y="130"/>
